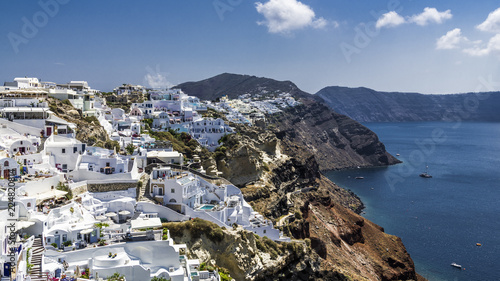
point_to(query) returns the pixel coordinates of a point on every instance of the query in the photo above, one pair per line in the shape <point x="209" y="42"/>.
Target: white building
<point x="209" y="131"/>
<point x="71" y="224"/>
<point x="15" y="143"/>
<point x="6" y="166"/>
<point x="24" y="82"/>
<point x="223" y="205"/>
<point x="101" y="160"/>
<point x="63" y="152"/>
<point x="135" y="260"/>
<point x="173" y="186"/>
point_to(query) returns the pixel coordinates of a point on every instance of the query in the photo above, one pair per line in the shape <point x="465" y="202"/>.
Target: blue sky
<point x="418" y="46"/>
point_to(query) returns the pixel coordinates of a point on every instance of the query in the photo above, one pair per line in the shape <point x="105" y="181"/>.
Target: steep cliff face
<point x="350" y="244"/>
<point x="336" y="141"/>
<point x="245" y="255"/>
<point x="367" y="105"/>
<point x="288" y="188"/>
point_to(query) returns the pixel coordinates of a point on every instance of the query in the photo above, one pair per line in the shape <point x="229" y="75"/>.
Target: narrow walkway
<point x="143" y="194"/>
<point x="36" y="260"/>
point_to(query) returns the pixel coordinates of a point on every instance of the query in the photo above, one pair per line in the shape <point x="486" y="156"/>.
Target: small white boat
<point x="426" y="174"/>
<point x="456" y="265"/>
<point x="359" y="178"/>
<point x="397" y="154"/>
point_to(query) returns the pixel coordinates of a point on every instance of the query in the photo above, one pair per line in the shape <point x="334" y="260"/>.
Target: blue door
<point x="6" y="269"/>
<point x="58" y="240"/>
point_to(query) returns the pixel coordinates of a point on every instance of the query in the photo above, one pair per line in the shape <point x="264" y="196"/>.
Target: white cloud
<point x="390" y="19"/>
<point x="284" y="16"/>
<point x="492" y="22"/>
<point x="451" y="40"/>
<point x="431" y="15"/>
<point x="157" y="81"/>
<point x="493" y="46"/>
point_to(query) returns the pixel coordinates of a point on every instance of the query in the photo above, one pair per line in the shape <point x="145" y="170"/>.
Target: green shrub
<point x="90" y="119"/>
<point x="197" y="227"/>
<point x="156" y="278"/>
<point x="308" y="242"/>
<point x="116" y="277"/>
<point x="67" y="102"/>
<point x="54" y="245"/>
<point x="298" y="215"/>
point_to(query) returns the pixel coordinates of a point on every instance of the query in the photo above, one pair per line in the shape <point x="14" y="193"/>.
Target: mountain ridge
<point x="368" y="105"/>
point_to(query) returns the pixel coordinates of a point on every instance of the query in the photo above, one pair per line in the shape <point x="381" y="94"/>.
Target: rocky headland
<point x="278" y="164"/>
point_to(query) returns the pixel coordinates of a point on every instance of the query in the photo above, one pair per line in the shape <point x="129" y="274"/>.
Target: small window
<point x="172" y="190"/>
<point x="29" y="204"/>
<point x="75" y="149"/>
<point x="64" y="150"/>
<point x="65" y="237"/>
<point x="48" y="240"/>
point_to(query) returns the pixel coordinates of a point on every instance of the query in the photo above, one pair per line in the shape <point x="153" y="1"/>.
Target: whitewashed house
<point x="62" y="152"/>
<point x="24" y="82"/>
<point x="173" y="186"/>
<point x="15" y="143"/>
<point x="72" y="223"/>
<point x="135" y="260"/>
<point x="6" y="165"/>
<point x="223" y="205"/>
<point x="209" y="131"/>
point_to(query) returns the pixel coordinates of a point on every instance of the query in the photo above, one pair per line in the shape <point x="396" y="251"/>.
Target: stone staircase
<point x="36" y="259"/>
<point x="143" y="195"/>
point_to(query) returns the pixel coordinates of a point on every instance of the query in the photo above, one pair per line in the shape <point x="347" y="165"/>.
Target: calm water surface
<point x="440" y="219"/>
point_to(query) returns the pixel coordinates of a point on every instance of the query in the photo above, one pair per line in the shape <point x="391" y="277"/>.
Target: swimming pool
<point x="206" y="207"/>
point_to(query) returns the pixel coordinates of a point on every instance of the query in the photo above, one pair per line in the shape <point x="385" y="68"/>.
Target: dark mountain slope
<point x="234" y="85"/>
<point x="367" y="105"/>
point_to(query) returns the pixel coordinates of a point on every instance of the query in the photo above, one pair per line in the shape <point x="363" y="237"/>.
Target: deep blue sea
<point x="440" y="219"/>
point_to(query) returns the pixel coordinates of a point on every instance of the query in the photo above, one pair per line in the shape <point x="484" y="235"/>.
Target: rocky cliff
<point x="282" y="180"/>
<point x="88" y="130"/>
<point x="367" y="105"/>
<point x="244" y="255"/>
<point x="336" y="141"/>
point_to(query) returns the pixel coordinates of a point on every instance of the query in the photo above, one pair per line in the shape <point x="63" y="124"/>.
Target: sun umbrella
<point x="124" y="213"/>
<point x="110" y="214"/>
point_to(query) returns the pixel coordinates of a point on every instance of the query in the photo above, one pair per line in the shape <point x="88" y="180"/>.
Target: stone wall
<point x="104" y="187"/>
